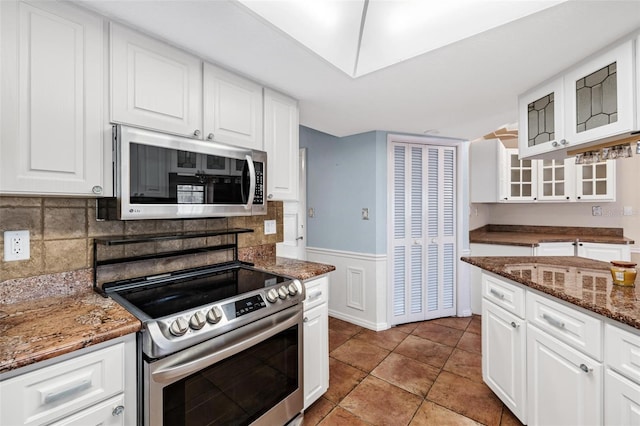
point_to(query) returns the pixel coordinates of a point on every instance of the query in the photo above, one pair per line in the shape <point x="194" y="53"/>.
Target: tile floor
<point x="424" y="373"/>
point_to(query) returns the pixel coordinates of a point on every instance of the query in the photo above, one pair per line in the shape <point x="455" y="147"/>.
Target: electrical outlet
<point x="596" y="211"/>
<point x="16" y="245"/>
<point x="365" y="213"/>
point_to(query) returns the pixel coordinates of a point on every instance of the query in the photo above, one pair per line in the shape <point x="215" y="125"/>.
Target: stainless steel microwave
<point x="162" y="176"/>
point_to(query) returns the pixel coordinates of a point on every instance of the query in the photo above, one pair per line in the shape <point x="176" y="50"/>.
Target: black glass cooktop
<point x="178" y="294"/>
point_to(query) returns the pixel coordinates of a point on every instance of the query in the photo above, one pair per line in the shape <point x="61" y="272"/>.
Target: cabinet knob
<point x="97" y="189"/>
<point x="555" y="144"/>
<point x="270" y="196"/>
<point x="578" y="197"/>
<point x="196" y="132"/>
<point x="210" y="137"/>
<point x="584" y="368"/>
<point x="305" y="319"/>
<point x="564" y="142"/>
<point x="567" y="198"/>
<point x="117" y="410"/>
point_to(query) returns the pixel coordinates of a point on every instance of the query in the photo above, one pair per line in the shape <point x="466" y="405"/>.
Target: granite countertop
<point x="300" y="269"/>
<point x="583" y="282"/>
<point x="52" y="315"/>
<point x="524" y="235"/>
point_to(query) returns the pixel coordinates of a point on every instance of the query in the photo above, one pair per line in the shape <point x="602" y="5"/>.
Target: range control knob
<point x="214" y="315"/>
<point x="272" y="295"/>
<point x="178" y="327"/>
<point x="293" y="290"/>
<point x="283" y="292"/>
<point x="197" y="321"/>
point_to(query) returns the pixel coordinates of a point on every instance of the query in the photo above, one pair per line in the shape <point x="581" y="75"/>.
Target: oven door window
<point x="239" y="389"/>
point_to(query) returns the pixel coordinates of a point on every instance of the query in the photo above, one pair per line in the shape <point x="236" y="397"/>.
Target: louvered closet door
<point x="423" y="236"/>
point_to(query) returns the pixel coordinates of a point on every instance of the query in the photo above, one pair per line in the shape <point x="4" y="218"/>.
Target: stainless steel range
<point x="220" y="345"/>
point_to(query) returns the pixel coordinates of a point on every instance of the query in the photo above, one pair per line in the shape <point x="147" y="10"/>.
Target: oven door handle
<point x="252" y="182"/>
<point x="196" y="358"/>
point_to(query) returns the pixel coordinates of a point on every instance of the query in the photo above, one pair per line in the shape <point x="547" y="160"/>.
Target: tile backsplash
<point x="62" y="232"/>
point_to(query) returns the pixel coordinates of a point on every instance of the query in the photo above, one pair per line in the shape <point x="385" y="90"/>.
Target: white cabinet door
<point x="596" y="181"/>
<point x="564" y="385"/>
<point x="107" y="413"/>
<point x="316" y="353"/>
<point x="599" y="96"/>
<point x="621" y="400"/>
<point x="154" y="85"/>
<point x="556" y="180"/>
<point x="503" y="357"/>
<point x="281" y="133"/>
<point x="604" y="252"/>
<point x="485" y="171"/>
<point x="520" y="178"/>
<point x="52" y="99"/>
<point x="232" y="109"/>
<point x="541" y="112"/>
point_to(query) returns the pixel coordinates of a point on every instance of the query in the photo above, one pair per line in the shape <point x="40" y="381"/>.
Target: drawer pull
<point x="67" y="391"/>
<point x="585" y="368"/>
<point x="314" y="296"/>
<point x="306" y="319"/>
<point x="117" y="410"/>
<point x="553" y="321"/>
<point x="496" y="293"/>
<point x="514" y="325"/>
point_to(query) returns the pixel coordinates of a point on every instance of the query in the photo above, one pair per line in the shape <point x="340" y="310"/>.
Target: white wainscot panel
<point x="358" y="286"/>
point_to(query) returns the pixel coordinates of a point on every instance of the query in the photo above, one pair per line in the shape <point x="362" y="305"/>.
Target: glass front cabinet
<point x="596" y="181"/>
<point x="541" y="119"/>
<point x="589" y="102"/>
<point x="555" y="180"/>
<point x="520" y="178"/>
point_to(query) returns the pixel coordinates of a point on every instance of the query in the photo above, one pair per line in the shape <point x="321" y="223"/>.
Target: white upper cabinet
<point x="599" y="95"/>
<point x="520" y="179"/>
<point x="589" y="103"/>
<point x="596" y="181"/>
<point x="541" y="125"/>
<point x="232" y="108"/>
<point x="52" y="99"/>
<point x="281" y="143"/>
<point x="556" y="180"/>
<point x="154" y="85"/>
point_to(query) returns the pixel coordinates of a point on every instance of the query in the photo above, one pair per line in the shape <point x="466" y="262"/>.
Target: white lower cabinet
<point x="316" y="339"/>
<point x="564" y="386"/>
<point x="97" y="386"/>
<point x="621" y="401"/>
<point x="503" y="357"/>
<point x="604" y="252"/>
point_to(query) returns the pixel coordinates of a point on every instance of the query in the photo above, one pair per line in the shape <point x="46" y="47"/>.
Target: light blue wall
<point x="343" y="176"/>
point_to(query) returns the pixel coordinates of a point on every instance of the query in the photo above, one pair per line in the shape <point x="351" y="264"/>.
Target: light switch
<point x="365" y="213"/>
<point x="269" y="227"/>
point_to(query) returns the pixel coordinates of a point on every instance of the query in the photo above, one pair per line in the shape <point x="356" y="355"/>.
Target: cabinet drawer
<point x="106" y="413"/>
<point x="622" y="352"/>
<point x="58" y="390"/>
<point x="575" y="328"/>
<point x="503" y="294"/>
<point x="317" y="292"/>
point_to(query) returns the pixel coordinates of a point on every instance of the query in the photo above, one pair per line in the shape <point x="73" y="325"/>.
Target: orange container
<point x="623" y="273"/>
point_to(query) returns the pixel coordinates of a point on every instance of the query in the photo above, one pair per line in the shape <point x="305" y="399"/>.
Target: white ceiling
<point x="464" y="89"/>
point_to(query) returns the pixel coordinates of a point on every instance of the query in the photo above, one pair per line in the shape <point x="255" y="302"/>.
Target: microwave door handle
<point x="252" y="182"/>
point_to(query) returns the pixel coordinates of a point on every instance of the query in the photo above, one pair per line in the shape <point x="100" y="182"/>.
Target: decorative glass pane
<point x="587" y="172"/>
<point x="526" y="163"/>
<point x="548" y="189"/>
<point x="601" y="187"/>
<point x="526" y="190"/>
<point x="514" y="161"/>
<point x="515" y="175"/>
<point x="540" y="122"/>
<point x="560" y="172"/>
<point x="587" y="188"/>
<point x="597" y="99"/>
<point x="515" y="190"/>
<point x="601" y="171"/>
<point x="547" y="175"/>
<point x="559" y="188"/>
<point x="526" y="176"/>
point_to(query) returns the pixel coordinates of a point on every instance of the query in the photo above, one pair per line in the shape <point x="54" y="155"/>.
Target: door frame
<point x="463" y="285"/>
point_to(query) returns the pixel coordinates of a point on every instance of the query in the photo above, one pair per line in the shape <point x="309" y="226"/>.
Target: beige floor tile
<point x="380" y="403"/>
<point x="336" y="339"/>
<point x="465" y="364"/>
<point x="406" y="328"/>
<point x="466" y="397"/>
<point x="360" y="354"/>
<point x="430" y="414"/>
<point x="344" y="327"/>
<point x="460" y="323"/>
<point x="424" y="350"/>
<point x="387" y="339"/>
<point x="342" y="379"/>
<point x="438" y="333"/>
<point x="406" y="373"/>
<point x="341" y="417"/>
<point x="470" y="342"/>
<point x="475" y="326"/>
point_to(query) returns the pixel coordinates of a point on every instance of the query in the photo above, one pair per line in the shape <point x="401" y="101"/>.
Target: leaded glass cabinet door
<point x="520" y="179"/>
<point x="541" y="113"/>
<point x="596" y="181"/>
<point x="423" y="234"/>
<point x="600" y="96"/>
<point x="555" y="179"/>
